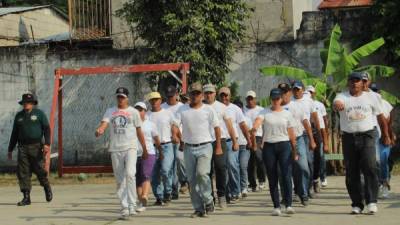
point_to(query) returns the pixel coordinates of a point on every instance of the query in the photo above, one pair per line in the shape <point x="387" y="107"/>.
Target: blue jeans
<point x="279" y="155"/>
<point x="244" y="156"/>
<point x="178" y="172"/>
<point x="310" y="161"/>
<point x="233" y="171"/>
<point x="384" y="163"/>
<point x="301" y="170"/>
<point x="198" y="167"/>
<point x="162" y="173"/>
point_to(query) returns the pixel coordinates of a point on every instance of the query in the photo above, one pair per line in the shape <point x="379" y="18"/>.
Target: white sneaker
<point x="372" y="208"/>
<point x="124" y="214"/>
<point x="140" y="208"/>
<point x="324" y="183"/>
<point x="355" y="210"/>
<point x="276" y="212"/>
<point x="290" y="210"/>
<point x="132" y="211"/>
<point x="385" y="192"/>
<point x="261" y="186"/>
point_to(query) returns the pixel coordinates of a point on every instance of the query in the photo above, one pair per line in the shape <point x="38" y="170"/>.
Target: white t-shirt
<point x="220" y="109"/>
<point x="320" y="107"/>
<point x="123" y="124"/>
<point x="298" y="115"/>
<point x="307" y="105"/>
<point x="163" y="120"/>
<point x="149" y="130"/>
<point x="252" y="114"/>
<point x="276" y="124"/>
<point x="358" y="112"/>
<point x="235" y="113"/>
<point x="172" y="108"/>
<point x="242" y="140"/>
<point x="387" y="108"/>
<point x="197" y="123"/>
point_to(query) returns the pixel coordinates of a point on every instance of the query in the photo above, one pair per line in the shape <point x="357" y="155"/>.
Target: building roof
<point x="332" y="4"/>
<point x="10" y="10"/>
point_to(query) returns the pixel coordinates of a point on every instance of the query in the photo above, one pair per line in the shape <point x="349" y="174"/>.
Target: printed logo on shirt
<point x="357" y="113"/>
<point x="33" y="117"/>
<point x="20" y="119"/>
<point x="120" y="121"/>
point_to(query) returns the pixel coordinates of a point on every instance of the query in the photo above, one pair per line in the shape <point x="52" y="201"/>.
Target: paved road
<point x="96" y="204"/>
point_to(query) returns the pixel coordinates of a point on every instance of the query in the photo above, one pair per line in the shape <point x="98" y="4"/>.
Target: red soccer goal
<point x="57" y="103"/>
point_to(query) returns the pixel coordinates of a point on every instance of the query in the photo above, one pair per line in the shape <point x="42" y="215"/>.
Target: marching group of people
<point x="178" y="147"/>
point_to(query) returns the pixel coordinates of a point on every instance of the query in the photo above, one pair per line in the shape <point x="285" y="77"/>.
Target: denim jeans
<point x="198" y="166"/>
<point x="178" y="172"/>
<point x="301" y="170"/>
<point x="163" y="173"/>
<point x="384" y="163"/>
<point x="233" y="171"/>
<point x="310" y="161"/>
<point x="244" y="155"/>
<point x="256" y="168"/>
<point x="220" y="169"/>
<point x="279" y="155"/>
<point x="360" y="156"/>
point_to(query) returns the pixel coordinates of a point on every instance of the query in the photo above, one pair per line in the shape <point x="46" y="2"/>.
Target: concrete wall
<point x="45" y="22"/>
<point x="86" y="98"/>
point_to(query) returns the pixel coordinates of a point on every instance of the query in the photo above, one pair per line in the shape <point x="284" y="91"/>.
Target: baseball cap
<point x="209" y="88"/>
<point x="284" y="87"/>
<point x="356" y="75"/>
<point x="275" y="93"/>
<point x="365" y="76"/>
<point x="298" y="84"/>
<point x="224" y="90"/>
<point x="141" y="105"/>
<point x="123" y="92"/>
<point x="310" y="88"/>
<point x="153" y="95"/>
<point x="171" y="91"/>
<point x="251" y="93"/>
<point x="28" y="98"/>
<point x="196" y="86"/>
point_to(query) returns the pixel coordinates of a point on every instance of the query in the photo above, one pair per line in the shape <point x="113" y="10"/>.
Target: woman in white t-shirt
<point x="279" y="148"/>
<point x="144" y="167"/>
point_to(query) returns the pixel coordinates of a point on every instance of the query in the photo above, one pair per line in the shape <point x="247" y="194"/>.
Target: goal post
<point x="57" y="104"/>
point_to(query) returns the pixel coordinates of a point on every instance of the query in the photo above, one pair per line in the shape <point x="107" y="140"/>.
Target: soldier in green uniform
<point x="30" y="128"/>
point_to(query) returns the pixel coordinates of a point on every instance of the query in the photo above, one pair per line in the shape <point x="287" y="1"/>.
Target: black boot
<point x="26" y="200"/>
<point x="48" y="193"/>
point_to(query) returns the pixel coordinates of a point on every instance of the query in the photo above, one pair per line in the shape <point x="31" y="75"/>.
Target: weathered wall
<point x="45" y="22"/>
<point x="86" y="98"/>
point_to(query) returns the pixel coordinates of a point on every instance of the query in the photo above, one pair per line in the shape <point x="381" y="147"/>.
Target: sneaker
<point x="304" y="202"/>
<point x="124" y="214"/>
<point x="175" y="196"/>
<point x="198" y="214"/>
<point x="290" y="210"/>
<point x="261" y="186"/>
<point x="372" y="208"/>
<point x="167" y="198"/>
<point x="324" y="183"/>
<point x="244" y="193"/>
<point x="355" y="210"/>
<point x="276" y="212"/>
<point x="184" y="189"/>
<point x="316" y="187"/>
<point x="254" y="189"/>
<point x="145" y="201"/>
<point x="140" y="208"/>
<point x="159" y="202"/>
<point x="132" y="210"/>
<point x="385" y="192"/>
<point x="222" y="202"/>
<point x="210" y="208"/>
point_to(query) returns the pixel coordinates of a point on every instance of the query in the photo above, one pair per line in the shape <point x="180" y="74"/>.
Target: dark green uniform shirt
<point x="29" y="128"/>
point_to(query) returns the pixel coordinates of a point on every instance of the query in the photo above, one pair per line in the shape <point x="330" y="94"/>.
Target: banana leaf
<point x="356" y="56"/>
<point x="286" y="71"/>
<point x="376" y="71"/>
<point x="393" y="100"/>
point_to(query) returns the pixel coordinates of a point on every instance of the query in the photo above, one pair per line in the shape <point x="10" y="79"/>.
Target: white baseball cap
<point x="251" y="93"/>
<point x="310" y="88"/>
<point x="141" y="105"/>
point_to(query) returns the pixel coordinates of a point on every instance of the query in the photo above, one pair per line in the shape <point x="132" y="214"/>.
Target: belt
<point x="358" y="133"/>
<point x="165" y="143"/>
<point x="196" y="145"/>
<point x="228" y="140"/>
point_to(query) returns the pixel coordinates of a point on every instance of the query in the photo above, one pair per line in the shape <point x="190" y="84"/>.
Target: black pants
<point x="219" y="167"/>
<point x="360" y="156"/>
<point x="256" y="166"/>
<point x="30" y="159"/>
<point x="317" y="155"/>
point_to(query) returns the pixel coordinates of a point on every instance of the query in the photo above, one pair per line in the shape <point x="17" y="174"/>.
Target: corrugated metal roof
<point x="331" y="4"/>
<point x="10" y="10"/>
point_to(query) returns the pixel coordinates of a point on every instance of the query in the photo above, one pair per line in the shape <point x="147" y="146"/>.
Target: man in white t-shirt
<point x="256" y="167"/>
<point x="239" y="125"/>
<point x="197" y="120"/>
<point x="319" y="156"/>
<point x="125" y="131"/>
<point x="227" y="134"/>
<point x="356" y="110"/>
<point x="179" y="175"/>
<point x="163" y="169"/>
